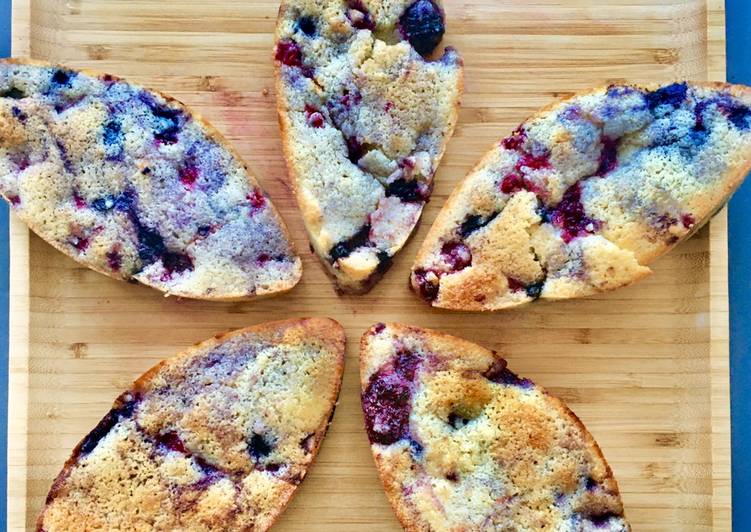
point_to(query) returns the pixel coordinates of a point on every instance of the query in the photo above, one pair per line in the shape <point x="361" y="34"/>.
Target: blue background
<point x="739" y="71"/>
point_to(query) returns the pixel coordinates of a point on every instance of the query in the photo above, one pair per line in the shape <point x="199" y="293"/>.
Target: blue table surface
<point x="739" y="71"/>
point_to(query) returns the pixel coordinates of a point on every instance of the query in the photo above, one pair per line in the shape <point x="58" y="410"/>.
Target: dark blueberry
<point x="500" y="374"/>
<point x="426" y="288"/>
<point x="422" y="25"/>
<point x="456" y="421"/>
<point x="150" y="245"/>
<point x="346" y="247"/>
<point x="384" y="261"/>
<point x="535" y="290"/>
<point x="258" y="447"/>
<point x="167" y="122"/>
<point x="355" y="149"/>
<point x="601" y="520"/>
<point x="473" y="222"/>
<point x="516" y="140"/>
<point x="738" y="114"/>
<point x="359" y="16"/>
<point x="208" y="469"/>
<point x="307" y="25"/>
<point x="104" y="204"/>
<point x="172" y="441"/>
<point x="378" y="328"/>
<point x="112" y="132"/>
<point x="673" y="95"/>
<point x="457" y="255"/>
<point x="452" y="476"/>
<point x="415" y="448"/>
<point x="13" y="93"/>
<point x="688" y="221"/>
<point x="608" y="156"/>
<point x="14" y="199"/>
<point x="20" y="115"/>
<point x="408" y="191"/>
<point x="176" y="263"/>
<point x="590" y="484"/>
<point x="113" y="417"/>
<point x="289" y="53"/>
<point x="569" y="215"/>
<point x="113" y="140"/>
<point x="62" y="77"/>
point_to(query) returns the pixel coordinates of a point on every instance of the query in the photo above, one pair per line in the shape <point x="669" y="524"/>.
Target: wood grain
<point x="646" y="368"/>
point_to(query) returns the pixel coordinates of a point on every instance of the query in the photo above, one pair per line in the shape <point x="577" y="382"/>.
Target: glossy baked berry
<point x="422" y="25"/>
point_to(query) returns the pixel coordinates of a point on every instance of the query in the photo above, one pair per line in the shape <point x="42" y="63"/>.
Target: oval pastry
<point x="462" y="443"/>
<point x="216" y="438"/>
<point x="134" y="185"/>
<point x="365" y="119"/>
<point x="585" y="194"/>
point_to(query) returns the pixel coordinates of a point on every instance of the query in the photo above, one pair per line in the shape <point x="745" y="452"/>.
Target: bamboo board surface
<point x="646" y="367"/>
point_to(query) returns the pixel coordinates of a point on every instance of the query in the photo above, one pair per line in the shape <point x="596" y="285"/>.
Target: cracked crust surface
<point x="365" y="120"/>
<point x="585" y="194"/>
<point x="134" y="185"/>
<point x="462" y="443"/>
<point x="216" y="438"/>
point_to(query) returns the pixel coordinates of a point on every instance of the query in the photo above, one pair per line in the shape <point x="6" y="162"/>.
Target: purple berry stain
<point x="569" y="215"/>
<point x="422" y="25"/>
<point x="359" y="16"/>
<point x="386" y="401"/>
<point x="289" y="53"/>
<point x="114" y="260"/>
<point x="608" y="156"/>
<point x="175" y="263"/>
<point x="172" y="441"/>
<point x="79" y="202"/>
<point x="426" y="288"/>
<point x="688" y="221"/>
<point x="457" y="255"/>
<point x="313" y="117"/>
<point x="188" y="176"/>
<point x="257" y="200"/>
<point x="673" y="95"/>
<point x="500" y="374"/>
<point x="516" y="140"/>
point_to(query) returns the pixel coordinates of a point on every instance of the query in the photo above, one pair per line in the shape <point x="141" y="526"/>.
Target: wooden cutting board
<point x="646" y="367"/>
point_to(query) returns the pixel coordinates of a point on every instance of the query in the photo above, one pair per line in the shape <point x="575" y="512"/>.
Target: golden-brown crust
<point x="395" y="467"/>
<point x="732" y="178"/>
<point x="211" y="132"/>
<point x="327" y="334"/>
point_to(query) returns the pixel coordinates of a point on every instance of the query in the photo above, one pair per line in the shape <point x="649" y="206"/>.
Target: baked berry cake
<point x="585" y="194"/>
<point x="134" y="185"/>
<point x="217" y="438"/>
<point x="365" y="115"/>
<point x="462" y="443"/>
